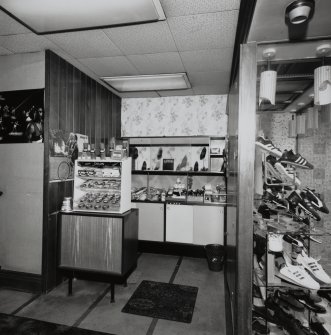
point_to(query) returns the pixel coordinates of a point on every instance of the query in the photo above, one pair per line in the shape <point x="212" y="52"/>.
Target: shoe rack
<point x="287" y="299"/>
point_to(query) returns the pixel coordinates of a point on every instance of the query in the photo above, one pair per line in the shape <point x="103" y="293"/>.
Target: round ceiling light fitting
<point x="300" y="11"/>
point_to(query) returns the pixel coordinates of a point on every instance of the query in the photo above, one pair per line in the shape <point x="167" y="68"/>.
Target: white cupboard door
<point x="151" y="222"/>
<point x="208" y="225"/>
<point x="179" y="223"/>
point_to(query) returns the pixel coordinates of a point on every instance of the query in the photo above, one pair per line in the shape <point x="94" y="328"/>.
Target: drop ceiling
<point x="197" y="37"/>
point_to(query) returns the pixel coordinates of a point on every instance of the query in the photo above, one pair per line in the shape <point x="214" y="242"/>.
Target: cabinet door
<point x="179" y="223"/>
<point x="208" y="225"/>
<point x="151" y="221"/>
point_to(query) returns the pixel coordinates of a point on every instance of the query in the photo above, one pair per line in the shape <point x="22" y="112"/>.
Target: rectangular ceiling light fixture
<point x="53" y="16"/>
<point x="160" y="82"/>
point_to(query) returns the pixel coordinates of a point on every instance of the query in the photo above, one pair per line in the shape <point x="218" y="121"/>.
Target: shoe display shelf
<point x="290" y="286"/>
<point x="188" y="170"/>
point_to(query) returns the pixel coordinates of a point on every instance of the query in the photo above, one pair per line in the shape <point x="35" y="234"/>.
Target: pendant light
<point x="322" y="78"/>
<point x="268" y="79"/>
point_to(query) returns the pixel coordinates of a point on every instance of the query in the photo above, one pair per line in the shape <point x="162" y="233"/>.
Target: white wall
<point x="202" y="115"/>
<point x="22" y="71"/>
<point x="21" y="206"/>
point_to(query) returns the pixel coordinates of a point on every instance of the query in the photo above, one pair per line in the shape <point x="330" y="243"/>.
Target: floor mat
<point x="163" y="301"/>
<point x="17" y="325"/>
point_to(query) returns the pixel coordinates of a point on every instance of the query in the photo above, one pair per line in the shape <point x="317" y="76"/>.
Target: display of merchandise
<point x="267" y="145"/>
<point x="296" y="286"/>
<point x="102" y="185"/>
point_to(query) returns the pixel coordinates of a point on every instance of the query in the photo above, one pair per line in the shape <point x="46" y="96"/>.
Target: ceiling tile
<point x="143" y="38"/>
<point x="189" y="7"/>
<point x="172" y="93"/>
<point x="167" y="62"/>
<point x="26" y="43"/>
<point x="9" y="26"/>
<point x="4" y="51"/>
<point x="110" y="66"/>
<point x="207" y="60"/>
<point x="218" y="78"/>
<point x="204" y="31"/>
<point x="200" y="90"/>
<point x="86" y="44"/>
<point x="151" y="94"/>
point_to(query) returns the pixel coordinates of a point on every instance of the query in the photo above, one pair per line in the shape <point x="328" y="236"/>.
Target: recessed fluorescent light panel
<point x="176" y="81"/>
<point x="50" y="16"/>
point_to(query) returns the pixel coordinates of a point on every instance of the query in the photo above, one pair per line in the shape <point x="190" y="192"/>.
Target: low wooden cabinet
<point x="99" y="247"/>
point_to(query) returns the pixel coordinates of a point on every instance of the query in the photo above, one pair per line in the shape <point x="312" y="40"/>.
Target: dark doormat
<point x="163" y="301"/>
<point x="17" y="325"/>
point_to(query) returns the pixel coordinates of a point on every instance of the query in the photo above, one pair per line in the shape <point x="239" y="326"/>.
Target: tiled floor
<point x="90" y="308"/>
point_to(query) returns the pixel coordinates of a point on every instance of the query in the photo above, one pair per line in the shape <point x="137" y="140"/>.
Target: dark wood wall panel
<point x="75" y="103"/>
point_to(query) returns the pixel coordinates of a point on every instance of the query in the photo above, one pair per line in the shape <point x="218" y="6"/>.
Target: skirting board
<point x="20" y="281"/>
<point x="171" y="248"/>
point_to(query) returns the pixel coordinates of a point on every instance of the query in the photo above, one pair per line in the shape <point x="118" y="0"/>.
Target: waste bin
<point x="215" y="256"/>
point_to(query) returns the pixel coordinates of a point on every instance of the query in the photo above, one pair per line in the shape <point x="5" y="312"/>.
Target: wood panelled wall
<point x="76" y="103"/>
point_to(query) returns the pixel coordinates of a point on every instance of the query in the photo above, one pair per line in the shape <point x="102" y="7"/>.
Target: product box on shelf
<point x="102" y="186"/>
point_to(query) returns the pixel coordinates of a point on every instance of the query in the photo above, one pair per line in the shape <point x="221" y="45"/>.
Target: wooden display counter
<point x="99" y="247"/>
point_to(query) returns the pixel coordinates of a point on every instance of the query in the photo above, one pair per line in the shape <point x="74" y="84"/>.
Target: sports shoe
<point x="307" y="301"/>
<point x="270" y="170"/>
<point x="289" y="300"/>
<point x="313" y="267"/>
<point x="295" y="242"/>
<point x="300" y="200"/>
<point x="287" y="173"/>
<point x="296" y="274"/>
<point x="289" y="157"/>
<point x="315" y="200"/>
<point x="275" y="242"/>
<point x="276" y="202"/>
<point x="267" y="145"/>
<point x="325" y="294"/>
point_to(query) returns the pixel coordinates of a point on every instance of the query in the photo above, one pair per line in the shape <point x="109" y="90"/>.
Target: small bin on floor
<point x="215" y="256"/>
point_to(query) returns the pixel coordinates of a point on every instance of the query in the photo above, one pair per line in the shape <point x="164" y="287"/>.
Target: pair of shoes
<point x="267" y="145"/>
<point x="300" y="199"/>
<point x="289" y="157"/>
<point x="308" y="301"/>
<point x="313" y="267"/>
<point x="275" y="201"/>
<point x="295" y="274"/>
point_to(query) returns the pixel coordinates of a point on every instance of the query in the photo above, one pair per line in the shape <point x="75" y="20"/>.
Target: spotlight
<point x="300" y="11"/>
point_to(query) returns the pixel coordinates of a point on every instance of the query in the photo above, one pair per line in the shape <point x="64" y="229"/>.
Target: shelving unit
<point x="171" y="184"/>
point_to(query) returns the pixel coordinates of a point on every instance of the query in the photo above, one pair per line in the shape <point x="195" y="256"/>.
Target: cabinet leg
<point x="70" y="286"/>
<point x="112" y="292"/>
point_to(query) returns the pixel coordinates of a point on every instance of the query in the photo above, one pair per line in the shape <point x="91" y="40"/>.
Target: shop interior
<point x="221" y="189"/>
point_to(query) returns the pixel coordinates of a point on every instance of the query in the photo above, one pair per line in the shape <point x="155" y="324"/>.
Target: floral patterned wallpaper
<point x="174" y="116"/>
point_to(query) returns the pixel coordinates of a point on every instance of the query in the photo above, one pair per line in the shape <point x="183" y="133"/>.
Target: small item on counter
<point x="102" y="151"/>
<point x="93" y="156"/>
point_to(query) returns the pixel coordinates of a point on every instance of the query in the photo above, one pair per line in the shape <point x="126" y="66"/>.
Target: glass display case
<point x="102" y="186"/>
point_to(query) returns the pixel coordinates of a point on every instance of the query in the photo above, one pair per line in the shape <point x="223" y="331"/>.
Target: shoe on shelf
<point x="264" y="313"/>
<point x="325" y="294"/>
<point x="313" y="267"/>
<point x="295" y="274"/>
<point x="306" y="300"/>
<point x="275" y="201"/>
<point x="317" y="326"/>
<point x="270" y="170"/>
<point x="287" y="173"/>
<point x="289" y="157"/>
<point x="294" y="241"/>
<point x="275" y="242"/>
<point x="289" y="300"/>
<point x="297" y="198"/>
<point x="267" y="145"/>
<point x="259" y="326"/>
<point x="315" y="200"/>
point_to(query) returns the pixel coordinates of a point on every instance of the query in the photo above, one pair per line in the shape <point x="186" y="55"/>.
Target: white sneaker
<point x="288" y="173"/>
<point x="315" y="269"/>
<point x="275" y="242"/>
<point x="297" y="275"/>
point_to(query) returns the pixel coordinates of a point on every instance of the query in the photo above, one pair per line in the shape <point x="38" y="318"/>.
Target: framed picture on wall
<point x="22" y="116"/>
